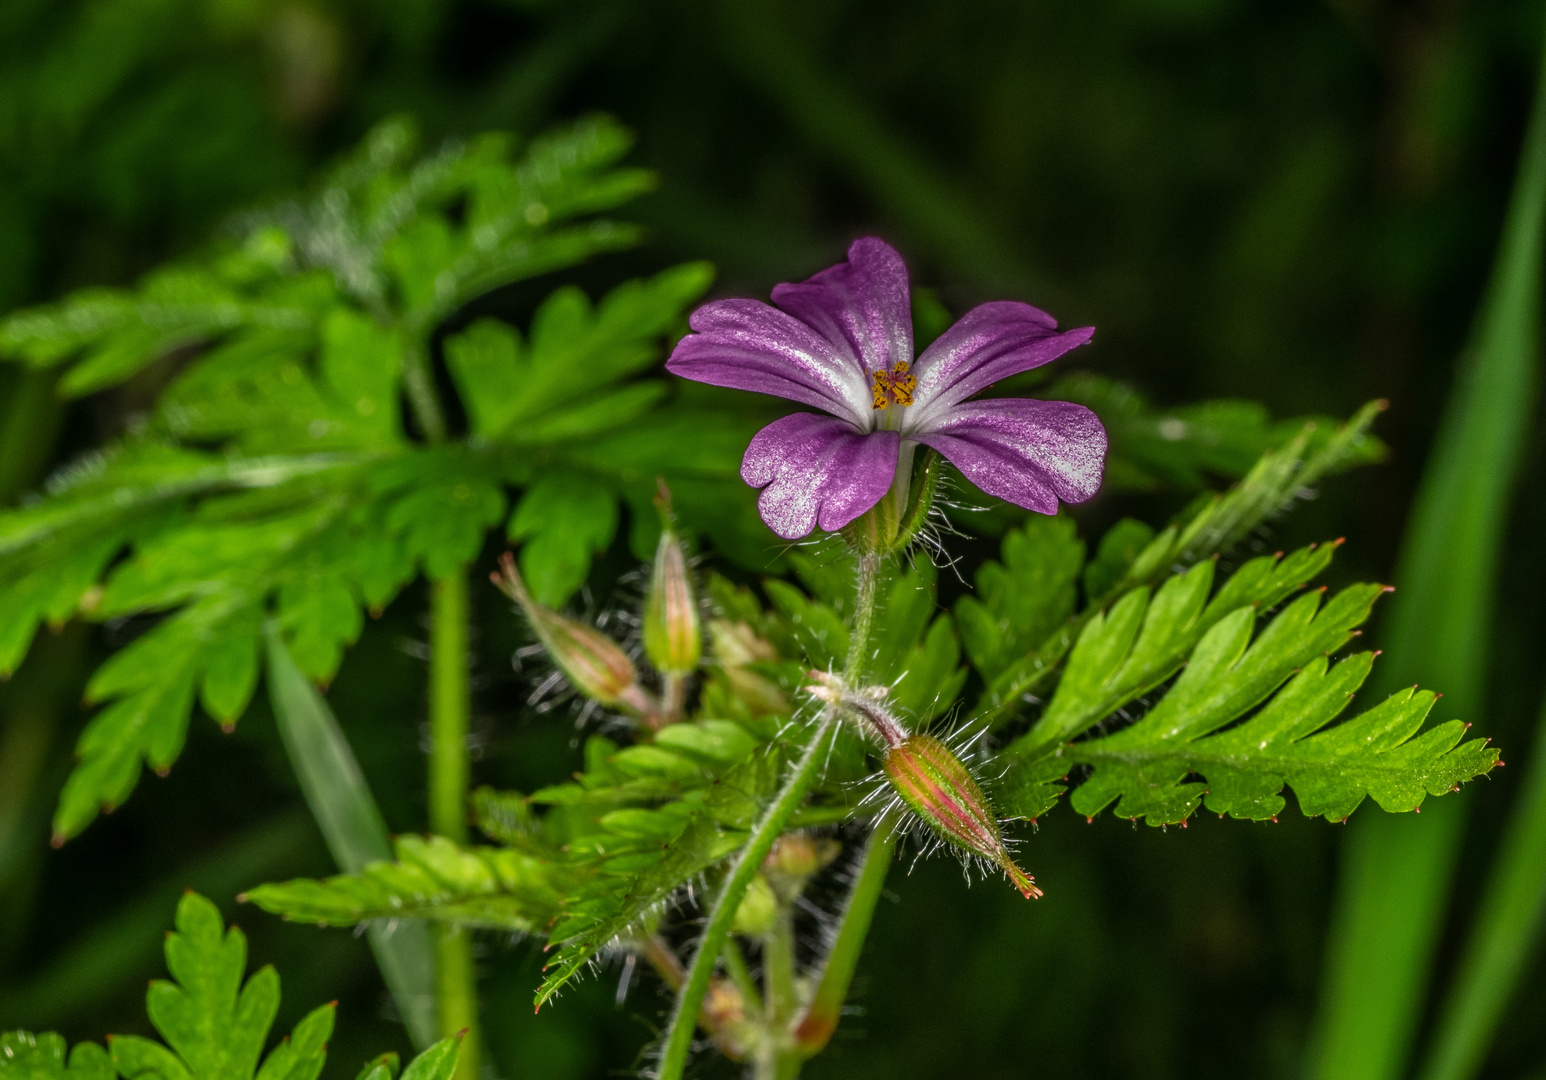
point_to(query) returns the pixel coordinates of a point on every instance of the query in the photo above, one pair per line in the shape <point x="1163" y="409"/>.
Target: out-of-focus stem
<point x="419" y="384"/>
<point x="778" y="966"/>
<point x="673" y="697"/>
<point x="820" y="1018"/>
<point x="449" y="707"/>
<point x="741" y="974"/>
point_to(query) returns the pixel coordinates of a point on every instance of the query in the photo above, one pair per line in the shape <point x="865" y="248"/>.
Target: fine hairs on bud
<point x="593" y="662"/>
<point x="928" y="776"/>
<point x="672" y="631"/>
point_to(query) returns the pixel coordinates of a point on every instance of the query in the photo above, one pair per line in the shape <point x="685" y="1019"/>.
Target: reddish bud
<point x="940" y="790"/>
<point x="593" y="663"/>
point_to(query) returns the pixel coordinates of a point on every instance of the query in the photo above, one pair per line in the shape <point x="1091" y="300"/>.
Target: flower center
<point x="894" y="387"/>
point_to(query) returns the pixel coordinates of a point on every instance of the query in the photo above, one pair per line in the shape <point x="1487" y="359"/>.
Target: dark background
<point x="1292" y="202"/>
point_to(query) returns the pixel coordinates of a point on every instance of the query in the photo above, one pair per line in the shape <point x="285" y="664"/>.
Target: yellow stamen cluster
<point x="895" y="386"/>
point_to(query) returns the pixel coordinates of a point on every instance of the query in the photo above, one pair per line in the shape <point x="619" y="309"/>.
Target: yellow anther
<point x="895" y="386"/>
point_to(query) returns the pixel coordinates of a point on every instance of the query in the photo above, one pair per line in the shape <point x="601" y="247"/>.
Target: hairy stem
<point x="821" y="1016"/>
<point x="799" y="780"/>
<point x="456" y="990"/>
<point x="867" y="568"/>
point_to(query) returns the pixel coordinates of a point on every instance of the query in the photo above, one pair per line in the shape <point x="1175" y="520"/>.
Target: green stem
<point x="867" y="567"/>
<point x="1503" y="936"/>
<point x="455" y="978"/>
<point x="741" y="974"/>
<point x="799" y="780"/>
<point x="768" y="830"/>
<point x="778" y="967"/>
<point x="821" y="1016"/>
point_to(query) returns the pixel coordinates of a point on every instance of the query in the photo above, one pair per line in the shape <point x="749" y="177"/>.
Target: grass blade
<point x="1397" y="868"/>
<point x="352" y="825"/>
<point x="1508" y="923"/>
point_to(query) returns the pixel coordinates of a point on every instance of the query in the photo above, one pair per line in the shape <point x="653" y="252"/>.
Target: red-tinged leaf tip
<point x="1417" y="809"/>
<point x="162" y="772"/>
<point x="1279" y="554"/>
<point x="1090" y="820"/>
<point x="1388" y="588"/>
<point x="228" y="727"/>
<point x="1339" y="541"/>
<point x="1183" y="823"/>
<point x="1381" y="404"/>
<point x="1274" y="819"/>
<point x="375" y="611"/>
<point x="56" y="841"/>
<point x="241" y="898"/>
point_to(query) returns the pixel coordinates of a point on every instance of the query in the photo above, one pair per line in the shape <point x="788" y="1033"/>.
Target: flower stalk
<point x="768" y="829"/>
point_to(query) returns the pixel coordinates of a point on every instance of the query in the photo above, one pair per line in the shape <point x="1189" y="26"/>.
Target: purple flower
<point x="843" y="343"/>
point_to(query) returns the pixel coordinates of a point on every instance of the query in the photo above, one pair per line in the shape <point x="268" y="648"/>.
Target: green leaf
<point x="565" y="521"/>
<point x="24" y="1056"/>
<point x="432" y="878"/>
<point x="574" y="352"/>
<point x="214" y="1025"/>
<point x="1135" y="645"/>
<point x="436" y="1063"/>
<point x="1021" y="601"/>
<point x="1182" y="447"/>
<point x="1277" y="479"/>
<point x="351" y="824"/>
<point x="1145" y="768"/>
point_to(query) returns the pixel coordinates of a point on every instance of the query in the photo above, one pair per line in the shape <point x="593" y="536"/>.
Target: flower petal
<point x="748" y="345"/>
<point x="862" y="305"/>
<point x="817" y="470"/>
<point x="1030" y="453"/>
<point x="988" y="343"/>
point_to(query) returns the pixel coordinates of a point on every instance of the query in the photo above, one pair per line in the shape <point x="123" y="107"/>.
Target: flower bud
<point x="794" y="860"/>
<point x="673" y="638"/>
<point x="735" y="646"/>
<point x="593" y="663"/>
<point x="757" y="911"/>
<point x="940" y="790"/>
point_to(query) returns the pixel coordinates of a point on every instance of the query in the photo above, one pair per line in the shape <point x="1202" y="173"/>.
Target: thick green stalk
<point x="456" y="991"/>
<point x="767" y="831"/>
<point x="1503" y="937"/>
<point x="1397" y="867"/>
<point x="826" y="1008"/>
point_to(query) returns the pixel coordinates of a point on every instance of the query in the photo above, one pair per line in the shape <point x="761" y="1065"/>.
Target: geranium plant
<point x="792" y="708"/>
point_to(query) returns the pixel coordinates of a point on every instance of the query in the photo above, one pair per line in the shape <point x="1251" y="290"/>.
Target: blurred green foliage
<point x="1286" y="203"/>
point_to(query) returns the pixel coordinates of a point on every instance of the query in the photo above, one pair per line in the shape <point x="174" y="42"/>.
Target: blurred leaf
<point x="1395" y="882"/>
<point x="24" y="1056"/>
<point x="346" y="813"/>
